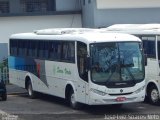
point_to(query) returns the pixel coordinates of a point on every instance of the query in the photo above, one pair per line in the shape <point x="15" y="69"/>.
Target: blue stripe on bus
<point x="29" y="65"/>
<point x="22" y="64"/>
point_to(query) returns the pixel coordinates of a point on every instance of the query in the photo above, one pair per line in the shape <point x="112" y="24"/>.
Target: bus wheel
<point x="153" y="95"/>
<point x="72" y="101"/>
<point x="31" y="93"/>
<point x="4" y="96"/>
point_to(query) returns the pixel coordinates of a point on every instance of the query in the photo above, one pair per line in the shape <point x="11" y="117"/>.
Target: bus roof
<point x="134" y="26"/>
<point x="76" y="34"/>
<point x="136" y="29"/>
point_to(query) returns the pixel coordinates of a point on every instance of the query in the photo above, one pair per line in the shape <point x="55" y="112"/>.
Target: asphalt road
<point x="44" y="107"/>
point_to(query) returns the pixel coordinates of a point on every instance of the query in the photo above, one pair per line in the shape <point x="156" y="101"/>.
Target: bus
<point x="83" y="66"/>
<point x="150" y="36"/>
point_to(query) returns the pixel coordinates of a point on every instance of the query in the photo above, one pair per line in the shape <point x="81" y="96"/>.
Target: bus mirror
<point x="145" y="59"/>
<point x="88" y="65"/>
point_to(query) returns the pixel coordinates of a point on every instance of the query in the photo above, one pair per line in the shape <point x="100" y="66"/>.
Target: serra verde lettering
<point x="59" y="70"/>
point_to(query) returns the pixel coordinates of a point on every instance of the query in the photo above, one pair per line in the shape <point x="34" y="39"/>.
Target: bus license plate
<point x="120" y="99"/>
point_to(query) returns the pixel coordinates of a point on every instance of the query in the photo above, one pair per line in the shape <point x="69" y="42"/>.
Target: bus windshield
<point x="117" y="63"/>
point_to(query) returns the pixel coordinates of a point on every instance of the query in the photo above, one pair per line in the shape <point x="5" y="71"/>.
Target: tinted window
<point x="40" y="6"/>
<point x="68" y="52"/>
<point x="55" y="50"/>
<point x="114" y="62"/>
<point x="49" y="50"/>
<point x="81" y="60"/>
<point x="13" y="47"/>
<point x="158" y="50"/>
<point x="4" y="7"/>
<point x="40" y="49"/>
<point x="21" y="48"/>
<point x="149" y="46"/>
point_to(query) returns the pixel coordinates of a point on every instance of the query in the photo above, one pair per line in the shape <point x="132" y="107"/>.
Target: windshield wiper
<point x="113" y="69"/>
<point x="127" y="65"/>
<point x="130" y="74"/>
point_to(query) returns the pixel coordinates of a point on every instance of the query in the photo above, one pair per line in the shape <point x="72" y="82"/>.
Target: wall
<point x="88" y="13"/>
<point x="103" y="13"/>
<point x="68" y="5"/>
<point x="61" y="5"/>
<point x="109" y="17"/>
<point x="109" y="4"/>
<point x="11" y="25"/>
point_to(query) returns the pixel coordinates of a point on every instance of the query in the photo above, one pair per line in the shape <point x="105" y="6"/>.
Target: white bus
<point x="150" y="35"/>
<point x="80" y="65"/>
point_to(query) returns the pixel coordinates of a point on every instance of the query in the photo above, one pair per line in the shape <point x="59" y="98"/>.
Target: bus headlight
<point x="139" y="90"/>
<point x="98" y="92"/>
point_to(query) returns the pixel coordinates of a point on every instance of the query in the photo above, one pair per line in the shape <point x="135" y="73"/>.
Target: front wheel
<point x="72" y="101"/>
<point x="153" y="95"/>
<point x="31" y="93"/>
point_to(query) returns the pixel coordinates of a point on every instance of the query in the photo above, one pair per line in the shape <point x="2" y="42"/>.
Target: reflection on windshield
<point x="116" y="62"/>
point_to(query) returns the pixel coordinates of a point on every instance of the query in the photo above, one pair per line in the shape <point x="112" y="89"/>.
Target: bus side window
<point x="32" y="51"/>
<point x="20" y="47"/>
<point x="159" y="51"/>
<point x="13" y="47"/>
<point x="81" y="60"/>
<point x="45" y="52"/>
<point x="54" y="50"/>
<point x="68" y="53"/>
<point x="40" y="49"/>
<point x="147" y="45"/>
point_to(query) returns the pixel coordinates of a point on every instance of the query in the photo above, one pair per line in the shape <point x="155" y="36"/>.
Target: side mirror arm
<point x="145" y="59"/>
<point x="88" y="63"/>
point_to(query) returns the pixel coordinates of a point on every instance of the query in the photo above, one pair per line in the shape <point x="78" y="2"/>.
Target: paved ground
<point x="13" y="89"/>
<point x="20" y="107"/>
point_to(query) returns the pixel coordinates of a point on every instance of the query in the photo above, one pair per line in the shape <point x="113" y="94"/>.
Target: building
<point x="27" y="15"/>
<point x="18" y="16"/>
<point x="102" y="13"/>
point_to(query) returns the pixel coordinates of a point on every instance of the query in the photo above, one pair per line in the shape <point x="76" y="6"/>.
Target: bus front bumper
<point x="96" y="99"/>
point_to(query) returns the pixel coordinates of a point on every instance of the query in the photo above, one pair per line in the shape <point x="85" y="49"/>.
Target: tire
<point x="4" y="96"/>
<point x="72" y="101"/>
<point x="31" y="93"/>
<point x="153" y="95"/>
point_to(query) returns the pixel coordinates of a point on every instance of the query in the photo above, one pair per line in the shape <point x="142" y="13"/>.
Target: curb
<point x="17" y="93"/>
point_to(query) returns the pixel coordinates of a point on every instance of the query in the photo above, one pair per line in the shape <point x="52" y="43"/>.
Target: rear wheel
<point x="31" y="93"/>
<point x="153" y="95"/>
<point x="72" y="101"/>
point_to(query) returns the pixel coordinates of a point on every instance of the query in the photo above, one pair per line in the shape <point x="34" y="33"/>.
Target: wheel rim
<point x="29" y="90"/>
<point x="73" y="101"/>
<point x="154" y="95"/>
